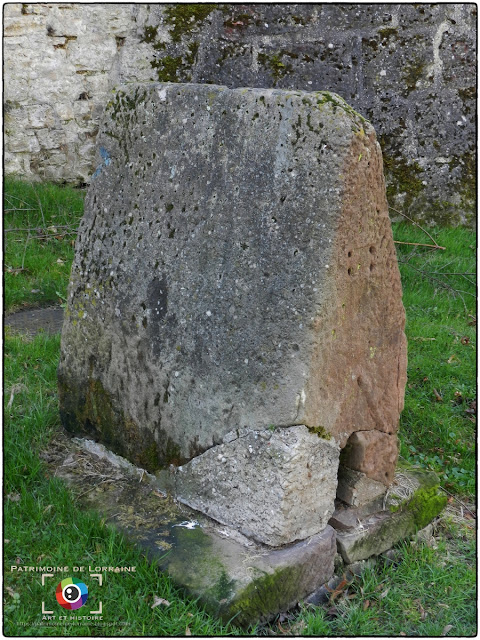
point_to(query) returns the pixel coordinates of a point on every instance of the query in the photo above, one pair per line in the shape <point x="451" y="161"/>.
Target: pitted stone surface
<point x="278" y="484"/>
<point x="235" y="269"/>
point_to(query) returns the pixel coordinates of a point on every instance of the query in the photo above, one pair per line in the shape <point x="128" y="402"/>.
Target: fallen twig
<point x="400" y="213"/>
<point x="16" y="388"/>
<point x="459" y="501"/>
<point x="419" y="244"/>
<point x="25" y="251"/>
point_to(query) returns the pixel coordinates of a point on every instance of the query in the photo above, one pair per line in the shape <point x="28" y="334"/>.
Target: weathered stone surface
<point x="251" y="584"/>
<point x="347" y="518"/>
<point x="232" y="576"/>
<point x="410" y="68"/>
<point x="356" y="489"/>
<point x="373" y="453"/>
<point x="276" y="486"/>
<point x="412" y="502"/>
<point x="235" y="269"/>
<point x="378" y="533"/>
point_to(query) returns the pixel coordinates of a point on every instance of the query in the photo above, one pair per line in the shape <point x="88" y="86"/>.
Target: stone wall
<point x="410" y="69"/>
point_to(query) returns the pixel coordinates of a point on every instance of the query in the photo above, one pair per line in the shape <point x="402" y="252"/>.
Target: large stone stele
<point x="234" y="272"/>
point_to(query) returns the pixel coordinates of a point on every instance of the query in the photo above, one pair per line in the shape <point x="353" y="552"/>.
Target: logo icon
<point x="71" y="593"/>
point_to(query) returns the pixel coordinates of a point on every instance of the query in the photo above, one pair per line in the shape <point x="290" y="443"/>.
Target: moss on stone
<point x="426" y="502"/>
<point x="87" y="408"/>
<point x="321" y="432"/>
<point x="412" y="72"/>
<point x="150" y="34"/>
<point x="386" y="32"/>
<point x="194" y="565"/>
<point x="403" y="177"/>
<point x="184" y="18"/>
<point x="274" y="62"/>
<point x="167" y="68"/>
<point x="425" y="505"/>
<point x="326" y="97"/>
<point x="270" y="592"/>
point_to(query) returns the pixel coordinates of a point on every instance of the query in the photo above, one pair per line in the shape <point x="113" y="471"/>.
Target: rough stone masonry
<point x="234" y="311"/>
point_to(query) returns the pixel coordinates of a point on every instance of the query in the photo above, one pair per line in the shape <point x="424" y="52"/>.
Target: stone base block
<point x="234" y="577"/>
<point x="248" y="584"/>
<point x="379" y="532"/>
<point x="411" y="503"/>
<point x="346" y="518"/>
<point x="253" y="483"/>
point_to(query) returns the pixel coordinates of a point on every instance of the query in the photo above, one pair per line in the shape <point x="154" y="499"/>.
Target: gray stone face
<point x="234" y="270"/>
<point x="276" y="486"/>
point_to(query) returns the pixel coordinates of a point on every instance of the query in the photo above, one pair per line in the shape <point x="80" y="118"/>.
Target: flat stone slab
<point x="32" y="321"/>
<point x="231" y="575"/>
<point x="412" y="502"/>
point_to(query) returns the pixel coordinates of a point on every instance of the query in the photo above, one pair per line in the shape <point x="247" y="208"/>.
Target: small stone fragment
<point x="356" y="489"/>
<point x="374" y="453"/>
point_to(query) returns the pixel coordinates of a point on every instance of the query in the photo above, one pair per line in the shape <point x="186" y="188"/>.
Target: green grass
<point x="437" y="431"/>
<point x="427" y="591"/>
<point x="37" y="262"/>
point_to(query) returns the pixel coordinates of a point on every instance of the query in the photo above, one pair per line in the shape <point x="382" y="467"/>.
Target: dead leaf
<point x="157" y="601"/>
<point x="190" y="615"/>
<point x="283" y="631"/>
<point x="13" y="593"/>
<point x="60" y="261"/>
<point x="13" y="497"/>
<point x="472" y="407"/>
<point x="40" y="558"/>
<point x="338" y="589"/>
<point x="438" y="397"/>
<point x="366" y="604"/>
<point x="465" y="340"/>
<point x="451" y="359"/>
<point x="188" y="632"/>
<point x="402" y="633"/>
<point x="298" y="628"/>
<point x="447" y="629"/>
<point x="384" y="593"/>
